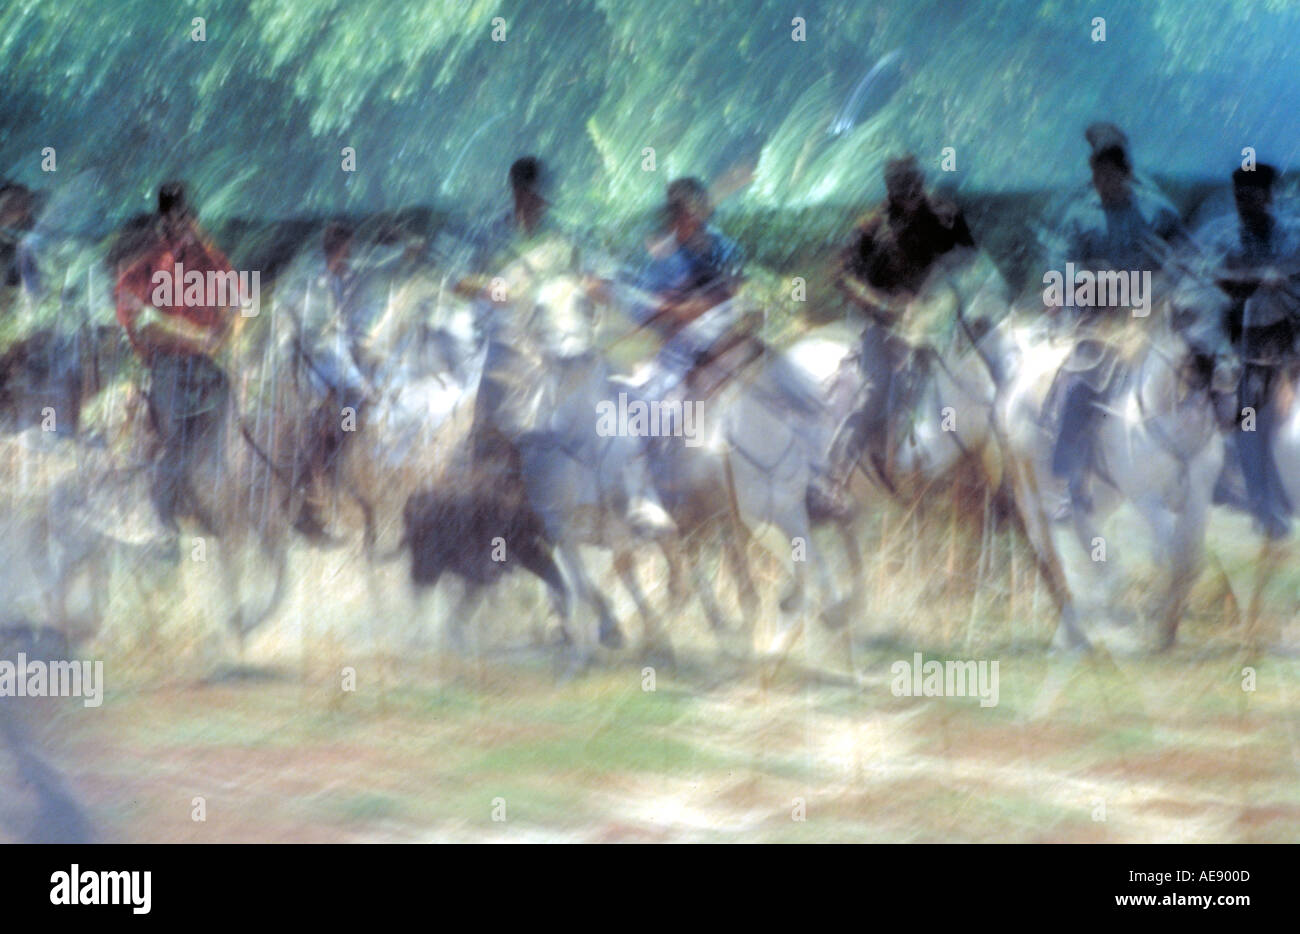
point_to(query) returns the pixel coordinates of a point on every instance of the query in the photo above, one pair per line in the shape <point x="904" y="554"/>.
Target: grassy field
<point x="432" y="745"/>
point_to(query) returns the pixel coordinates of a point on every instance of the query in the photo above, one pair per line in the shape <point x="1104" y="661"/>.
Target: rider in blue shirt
<point x="688" y="285"/>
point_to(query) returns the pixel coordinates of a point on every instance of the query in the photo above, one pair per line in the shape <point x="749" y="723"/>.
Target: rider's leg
<point x="1253" y="445"/>
<point x="1073" y="451"/>
<point x="864" y="429"/>
<point x="188" y="395"/>
<point x="168" y="468"/>
<point x="861" y="431"/>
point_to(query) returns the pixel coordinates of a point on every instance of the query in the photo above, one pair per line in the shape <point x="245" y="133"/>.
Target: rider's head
<point x="337" y="244"/>
<point x="688" y="206"/>
<point x="1253" y="191"/>
<point x="904" y="184"/>
<point x="173" y="207"/>
<point x="1112" y="172"/>
<point x="527" y="178"/>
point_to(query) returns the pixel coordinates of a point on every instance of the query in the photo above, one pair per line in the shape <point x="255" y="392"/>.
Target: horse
<point x="778" y="429"/>
<point x="767" y="427"/>
<point x="419" y="356"/>
<point x="550" y="484"/>
<point x="1158" y="448"/>
<point x="1279" y="415"/>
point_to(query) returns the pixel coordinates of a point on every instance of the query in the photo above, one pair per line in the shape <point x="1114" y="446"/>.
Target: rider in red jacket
<point x="176" y="332"/>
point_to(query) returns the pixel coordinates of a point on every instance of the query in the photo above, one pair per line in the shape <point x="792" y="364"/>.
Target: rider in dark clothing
<point x="893" y="251"/>
<point x="1117" y="225"/>
<point x="895" y="246"/>
<point x="1248" y="250"/>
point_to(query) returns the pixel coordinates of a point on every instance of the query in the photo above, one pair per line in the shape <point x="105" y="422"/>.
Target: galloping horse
<point x="1158" y="448"/>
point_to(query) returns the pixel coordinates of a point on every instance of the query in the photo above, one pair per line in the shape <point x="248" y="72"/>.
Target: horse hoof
<point x="611" y="637"/>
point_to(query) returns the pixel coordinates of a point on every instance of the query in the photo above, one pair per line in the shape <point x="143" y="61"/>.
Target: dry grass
<point x="1171" y="747"/>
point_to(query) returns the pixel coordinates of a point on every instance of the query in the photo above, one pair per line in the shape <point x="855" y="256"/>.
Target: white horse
<point x="1157" y="448"/>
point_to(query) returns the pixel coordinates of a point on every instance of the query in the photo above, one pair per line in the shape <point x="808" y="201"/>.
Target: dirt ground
<point x="496" y="741"/>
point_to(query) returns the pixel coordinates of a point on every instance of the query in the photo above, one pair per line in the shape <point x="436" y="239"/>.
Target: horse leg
<point x="1034" y="523"/>
<point x="1270" y="557"/>
<point x="538" y="561"/>
<point x="278" y="558"/>
<point x="850" y="542"/>
<point x="1086" y="531"/>
<point x="794" y="604"/>
<point x="734" y="539"/>
<point x="1188" y="538"/>
<point x="608" y="632"/>
<point x="836" y="607"/>
<point x="704" y="591"/>
<point x="370" y="533"/>
<point x="463" y="611"/>
<point x="677" y="590"/>
<point x="654" y="638"/>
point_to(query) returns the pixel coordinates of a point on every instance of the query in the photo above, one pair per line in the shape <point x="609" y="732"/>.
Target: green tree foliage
<point x="256" y="116"/>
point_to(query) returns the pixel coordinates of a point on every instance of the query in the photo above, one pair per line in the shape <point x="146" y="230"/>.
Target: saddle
<point x="1102" y="352"/>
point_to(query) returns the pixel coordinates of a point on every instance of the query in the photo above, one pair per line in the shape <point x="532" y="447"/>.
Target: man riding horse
<point x="521" y="251"/>
<point x="330" y="343"/>
<point x="886" y="268"/>
<point x="1251" y="254"/>
<point x="685" y="292"/>
<point x="177" y="334"/>
<point x="1119" y="224"/>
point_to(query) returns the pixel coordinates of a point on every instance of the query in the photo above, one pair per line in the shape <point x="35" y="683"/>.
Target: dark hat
<point x="1261" y="176"/>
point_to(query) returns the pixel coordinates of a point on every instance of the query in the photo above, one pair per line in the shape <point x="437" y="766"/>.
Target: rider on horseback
<point x="687" y="288"/>
<point x="541" y="368"/>
<point x="329" y="344"/>
<point x="886" y="267"/>
<point x="1116" y="225"/>
<point x="176" y="336"/>
<point x="522" y="250"/>
<point x="1252" y="252"/>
